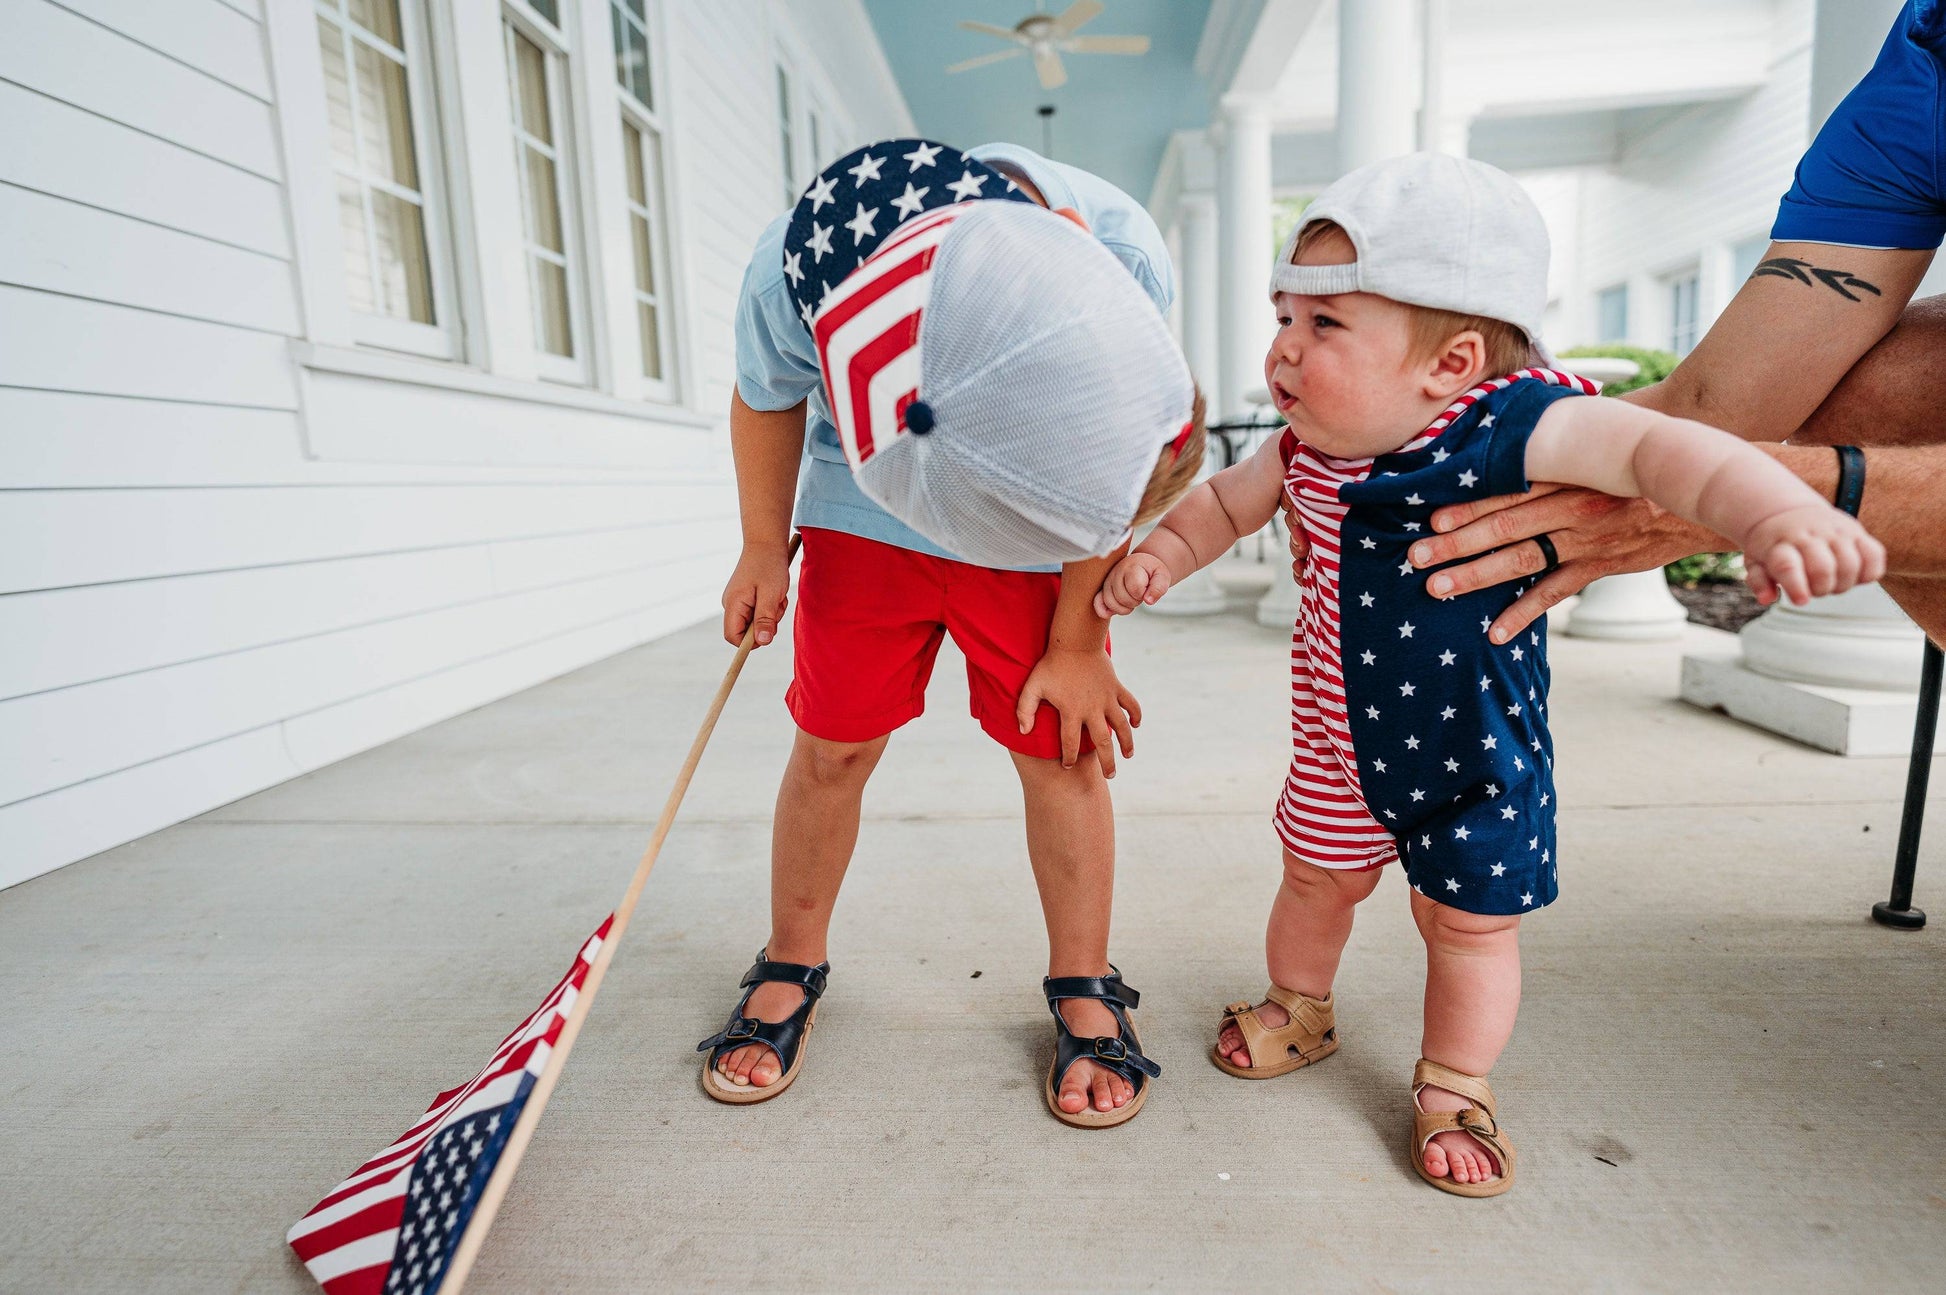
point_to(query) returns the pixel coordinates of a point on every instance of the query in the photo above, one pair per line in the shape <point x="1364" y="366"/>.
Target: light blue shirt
<point x="777" y="361"/>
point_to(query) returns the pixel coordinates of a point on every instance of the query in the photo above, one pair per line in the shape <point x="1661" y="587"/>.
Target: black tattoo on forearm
<point x="1839" y="281"/>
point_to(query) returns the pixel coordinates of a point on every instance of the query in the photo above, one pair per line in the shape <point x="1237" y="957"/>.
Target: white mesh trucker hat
<point x="999" y="381"/>
<point x="1430" y="230"/>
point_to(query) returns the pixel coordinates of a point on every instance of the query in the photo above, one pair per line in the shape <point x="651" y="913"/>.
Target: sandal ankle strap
<point x="1108" y="988"/>
<point x="1472" y="1087"/>
<point x="786" y="973"/>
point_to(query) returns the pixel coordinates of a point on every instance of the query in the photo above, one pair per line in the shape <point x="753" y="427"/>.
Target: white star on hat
<point x="1378" y="766"/>
<point x="867" y="169"/>
<point x="1447" y="657"/>
<point x="1420" y="795"/>
<point x="967" y="187"/>
<point x="1367" y="543"/>
<point x="820" y="241"/>
<point x="1414" y="500"/>
<point x="922" y="155"/>
<point x="1406" y="689"/>
<point x="1405" y="568"/>
<point x="1364" y="600"/>
<point x="1489" y="742"/>
<point x="1507" y="812"/>
<point x="1448" y="713"/>
<point x="793" y="267"/>
<point x="1412" y="743"/>
<point x="1440" y="456"/>
<point x="1461" y="834"/>
<point x="910" y="203"/>
<point x="1499" y="869"/>
<point x="862" y="224"/>
<point x="1405" y="630"/>
<point x="1486" y="421"/>
<point x="1451" y="884"/>
<point x="1467" y="477"/>
<point x="820" y="192"/>
<point x="1367" y="657"/>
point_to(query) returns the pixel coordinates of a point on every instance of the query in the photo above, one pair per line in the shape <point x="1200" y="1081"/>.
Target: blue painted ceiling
<point x="1113" y="116"/>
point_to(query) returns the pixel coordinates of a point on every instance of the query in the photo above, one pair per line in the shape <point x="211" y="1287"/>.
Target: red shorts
<point x="869" y="621"/>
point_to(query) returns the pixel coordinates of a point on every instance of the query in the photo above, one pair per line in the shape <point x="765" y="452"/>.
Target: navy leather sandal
<point x="1121" y="1054"/>
<point x="785" y="1037"/>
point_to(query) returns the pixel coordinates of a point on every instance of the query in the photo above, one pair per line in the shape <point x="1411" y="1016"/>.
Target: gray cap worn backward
<point x="1445" y="232"/>
<point x="1001" y="384"/>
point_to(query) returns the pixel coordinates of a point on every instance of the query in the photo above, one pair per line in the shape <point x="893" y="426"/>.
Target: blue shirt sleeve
<point x="1515" y="412"/>
<point x="777" y="363"/>
<point x="1873" y="177"/>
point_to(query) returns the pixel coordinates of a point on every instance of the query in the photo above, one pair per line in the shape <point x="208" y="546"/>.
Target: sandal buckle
<point x="744" y="1027"/>
<point x="1475" y="1120"/>
<point x="1108" y="1049"/>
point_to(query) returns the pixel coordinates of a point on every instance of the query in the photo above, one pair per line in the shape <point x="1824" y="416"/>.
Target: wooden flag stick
<point x="503" y="1171"/>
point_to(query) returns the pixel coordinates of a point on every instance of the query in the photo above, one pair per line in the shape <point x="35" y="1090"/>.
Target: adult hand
<point x="759" y="588"/>
<point x="1593" y="534"/>
<point x="1082" y="687"/>
<point x="1294" y="529"/>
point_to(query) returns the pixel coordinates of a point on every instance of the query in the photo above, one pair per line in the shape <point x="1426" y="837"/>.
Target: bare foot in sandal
<point x="755" y="1064"/>
<point x="1086" y="1083"/>
<point x="1460" y="1156"/>
<point x="1229" y="1040"/>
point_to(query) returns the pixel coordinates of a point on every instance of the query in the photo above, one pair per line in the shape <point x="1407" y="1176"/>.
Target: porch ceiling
<point x="1113" y="116"/>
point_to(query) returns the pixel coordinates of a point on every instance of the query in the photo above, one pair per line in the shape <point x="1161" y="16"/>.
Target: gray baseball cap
<point x="1431" y="230"/>
<point x="1001" y="384"/>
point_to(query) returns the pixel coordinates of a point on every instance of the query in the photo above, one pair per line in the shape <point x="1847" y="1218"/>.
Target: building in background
<point x="362" y="361"/>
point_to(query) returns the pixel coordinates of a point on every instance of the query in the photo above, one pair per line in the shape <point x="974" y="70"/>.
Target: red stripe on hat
<point x="872" y="357"/>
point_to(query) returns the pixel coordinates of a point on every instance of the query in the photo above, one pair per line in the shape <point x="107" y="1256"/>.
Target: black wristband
<point x="1851" y="478"/>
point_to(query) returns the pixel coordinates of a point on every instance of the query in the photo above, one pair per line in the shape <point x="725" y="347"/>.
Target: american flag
<point x="392" y="1227"/>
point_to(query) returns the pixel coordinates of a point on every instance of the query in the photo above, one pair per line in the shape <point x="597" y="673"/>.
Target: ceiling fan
<point x="1048" y="37"/>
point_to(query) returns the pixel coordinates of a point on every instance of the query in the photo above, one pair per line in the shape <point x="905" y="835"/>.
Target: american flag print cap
<point x="1000" y="383"/>
<point x="865" y="197"/>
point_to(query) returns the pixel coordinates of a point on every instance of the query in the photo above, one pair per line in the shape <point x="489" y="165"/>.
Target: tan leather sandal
<point x="1311" y="1035"/>
<point x="1478" y="1120"/>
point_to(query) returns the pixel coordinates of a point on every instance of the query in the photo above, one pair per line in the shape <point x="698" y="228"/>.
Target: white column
<point x="1196" y="291"/>
<point x="1841" y="674"/>
<point x="1196" y="294"/>
<point x="1380" y="72"/>
<point x="1244" y="252"/>
<point x="1637" y="606"/>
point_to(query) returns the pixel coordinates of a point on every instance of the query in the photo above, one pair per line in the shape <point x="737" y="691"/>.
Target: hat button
<point x="918" y="417"/>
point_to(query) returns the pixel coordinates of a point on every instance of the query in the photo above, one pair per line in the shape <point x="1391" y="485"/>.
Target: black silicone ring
<point x="1851" y="478"/>
<point x="1547" y="552"/>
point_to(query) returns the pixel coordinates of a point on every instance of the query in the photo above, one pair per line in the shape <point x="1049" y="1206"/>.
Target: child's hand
<point x="1808" y="552"/>
<point x="1083" y="688"/>
<point x="759" y="589"/>
<point x="1137" y="579"/>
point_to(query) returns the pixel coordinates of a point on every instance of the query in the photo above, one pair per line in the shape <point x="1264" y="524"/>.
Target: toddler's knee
<point x="1459" y="931"/>
<point x="1339" y="887"/>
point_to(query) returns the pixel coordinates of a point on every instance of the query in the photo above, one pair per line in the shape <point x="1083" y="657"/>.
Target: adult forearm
<point x="766" y="447"/>
<point x="1905" y="493"/>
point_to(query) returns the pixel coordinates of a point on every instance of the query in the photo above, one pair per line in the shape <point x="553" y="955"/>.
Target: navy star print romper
<point x="1414" y="736"/>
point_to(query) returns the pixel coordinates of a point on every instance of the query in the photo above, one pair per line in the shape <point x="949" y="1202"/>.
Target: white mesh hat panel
<point x="1054" y="385"/>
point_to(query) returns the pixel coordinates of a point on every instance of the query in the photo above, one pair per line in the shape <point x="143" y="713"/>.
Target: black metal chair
<point x="1898" y="911"/>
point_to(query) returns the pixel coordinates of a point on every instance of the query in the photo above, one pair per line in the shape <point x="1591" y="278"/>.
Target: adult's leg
<point x="1071" y="845"/>
<point x="812" y="836"/>
<point x="1893" y="397"/>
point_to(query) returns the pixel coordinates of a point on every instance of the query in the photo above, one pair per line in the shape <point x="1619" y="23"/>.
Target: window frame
<point x="1674" y="285"/>
<point x="519" y="19"/>
<point x="1614" y="291"/>
<point x="445" y="337"/>
<point x="651" y="123"/>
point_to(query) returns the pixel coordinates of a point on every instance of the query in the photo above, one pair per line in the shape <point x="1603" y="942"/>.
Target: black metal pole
<point x="1898" y="910"/>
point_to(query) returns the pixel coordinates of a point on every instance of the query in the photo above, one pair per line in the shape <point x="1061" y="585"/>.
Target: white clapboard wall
<point x="196" y="602"/>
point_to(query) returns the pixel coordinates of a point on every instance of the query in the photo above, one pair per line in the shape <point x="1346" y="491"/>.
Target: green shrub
<point x="1655" y="365"/>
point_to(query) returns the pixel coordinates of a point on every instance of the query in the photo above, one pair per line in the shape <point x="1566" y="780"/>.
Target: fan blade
<point x="1105" y="45"/>
<point x="1081" y="11"/>
<point x="988" y="29"/>
<point x="984" y="59"/>
<point x="1048" y="64"/>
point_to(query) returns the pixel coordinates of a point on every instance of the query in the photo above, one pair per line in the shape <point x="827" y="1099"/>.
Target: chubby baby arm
<point x="1794" y="541"/>
<point x="1240" y="500"/>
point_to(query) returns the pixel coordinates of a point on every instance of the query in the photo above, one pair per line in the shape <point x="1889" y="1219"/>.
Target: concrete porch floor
<point x="1725" y="1077"/>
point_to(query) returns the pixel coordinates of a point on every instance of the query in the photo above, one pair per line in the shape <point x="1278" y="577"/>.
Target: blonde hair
<point x="1508" y="349"/>
<point x="1175" y="470"/>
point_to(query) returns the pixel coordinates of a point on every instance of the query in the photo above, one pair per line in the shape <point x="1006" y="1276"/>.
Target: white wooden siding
<point x="220" y="566"/>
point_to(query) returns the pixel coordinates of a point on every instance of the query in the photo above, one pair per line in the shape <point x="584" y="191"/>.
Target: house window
<point x="1683" y="293"/>
<point x="785" y="134"/>
<point x="1611" y="314"/>
<point x="814" y="132"/>
<point x="537" y="67"/>
<point x="375" y="74"/>
<point x="642" y="162"/>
